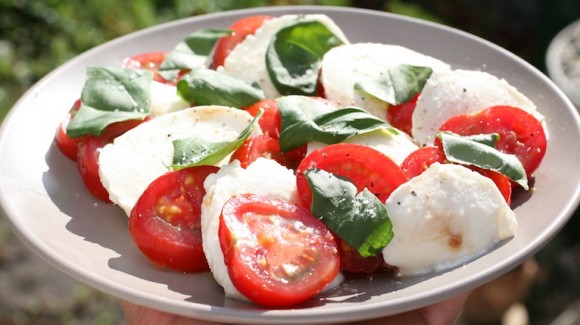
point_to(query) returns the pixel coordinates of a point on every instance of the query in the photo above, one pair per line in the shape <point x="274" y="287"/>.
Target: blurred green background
<point x="36" y="36"/>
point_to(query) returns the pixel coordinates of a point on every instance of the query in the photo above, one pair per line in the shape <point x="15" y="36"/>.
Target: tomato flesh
<point x="366" y="168"/>
<point x="240" y="30"/>
<point x="277" y="253"/>
<point x="166" y="221"/>
<point x="520" y="133"/>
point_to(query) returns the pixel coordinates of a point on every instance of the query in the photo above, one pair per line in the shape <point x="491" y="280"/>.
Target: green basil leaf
<point x="294" y="55"/>
<point x="209" y="87"/>
<point x="301" y="122"/>
<point x="110" y="95"/>
<point x="397" y="85"/>
<point x="92" y="121"/>
<point x="465" y="151"/>
<point x="190" y="152"/>
<point x="191" y="53"/>
<point x="359" y="219"/>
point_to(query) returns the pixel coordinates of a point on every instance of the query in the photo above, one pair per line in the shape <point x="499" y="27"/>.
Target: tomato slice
<point x="149" y="61"/>
<point x="352" y="262"/>
<point x="520" y="133"/>
<point x="366" y="168"/>
<point x="401" y="116"/>
<point x="240" y="30"/>
<point x="419" y="160"/>
<point x="67" y="145"/>
<point x="270" y="120"/>
<point x="277" y="253"/>
<point x="259" y="146"/>
<point x="88" y="156"/>
<point x="166" y="221"/>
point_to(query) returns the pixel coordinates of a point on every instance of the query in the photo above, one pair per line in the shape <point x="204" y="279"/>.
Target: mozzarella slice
<point x="450" y="93"/>
<point x="247" y="61"/>
<point x="344" y="66"/>
<point x="164" y="99"/>
<point x="444" y="217"/>
<point x="263" y="177"/>
<point x="396" y="146"/>
<point x="136" y="158"/>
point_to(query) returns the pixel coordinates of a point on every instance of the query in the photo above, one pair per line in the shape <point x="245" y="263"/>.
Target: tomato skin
<point x="165" y="223"/>
<point x="88" y="156"/>
<point x="366" y="168"/>
<point x="520" y="133"/>
<point x="67" y="145"/>
<point x="352" y="262"/>
<point x="419" y="160"/>
<point x="401" y="116"/>
<point x="149" y="61"/>
<point x="259" y="146"/>
<point x="240" y="30"/>
<point x="261" y="236"/>
<point x="270" y="120"/>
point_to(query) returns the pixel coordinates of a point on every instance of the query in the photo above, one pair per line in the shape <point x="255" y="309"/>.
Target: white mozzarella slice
<point x="136" y="158"/>
<point x="164" y="99"/>
<point x="396" y="146"/>
<point x="450" y="93"/>
<point x="263" y="177"/>
<point x="344" y="66"/>
<point x="446" y="216"/>
<point x="247" y="61"/>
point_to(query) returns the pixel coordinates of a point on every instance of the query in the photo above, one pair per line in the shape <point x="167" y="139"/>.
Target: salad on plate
<point x="283" y="157"/>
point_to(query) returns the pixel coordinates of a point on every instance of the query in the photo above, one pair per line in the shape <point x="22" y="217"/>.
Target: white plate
<point x="48" y="206"/>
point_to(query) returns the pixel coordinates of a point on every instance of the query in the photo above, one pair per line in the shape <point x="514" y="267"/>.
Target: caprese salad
<point x="282" y="157"/>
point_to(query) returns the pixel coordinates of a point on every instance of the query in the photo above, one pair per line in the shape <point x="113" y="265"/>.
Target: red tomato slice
<point x="259" y="146"/>
<point x="520" y="133"/>
<point x="419" y="160"/>
<point x="147" y="61"/>
<point x="67" y="145"/>
<point x="277" y="253"/>
<point x="166" y="221"/>
<point x="364" y="166"/>
<point x="88" y="156"/>
<point x="352" y="262"/>
<point x="400" y="116"/>
<point x="270" y="120"/>
<point x="240" y="30"/>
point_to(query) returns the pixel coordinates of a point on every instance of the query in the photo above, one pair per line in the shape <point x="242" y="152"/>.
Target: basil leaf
<point x="361" y="220"/>
<point x="299" y="127"/>
<point x="190" y="152"/>
<point x="397" y="85"/>
<point x="464" y="151"/>
<point x="209" y="87"/>
<point x="294" y="55"/>
<point x="110" y="95"/>
<point x="191" y="53"/>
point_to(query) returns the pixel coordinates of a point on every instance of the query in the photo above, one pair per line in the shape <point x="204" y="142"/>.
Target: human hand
<point x="442" y="313"/>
